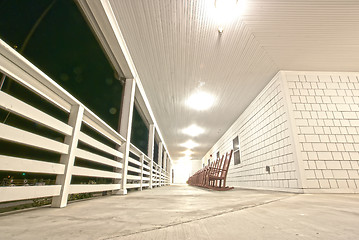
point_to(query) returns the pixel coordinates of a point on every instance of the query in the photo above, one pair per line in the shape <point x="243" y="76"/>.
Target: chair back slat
<point x="226" y="164"/>
<point x="219" y="166"/>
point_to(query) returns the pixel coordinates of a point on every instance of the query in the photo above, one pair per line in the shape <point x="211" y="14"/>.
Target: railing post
<point x="160" y="177"/>
<point x="125" y="128"/>
<point x="151" y="140"/>
<point x="164" y="177"/>
<point x="75" y="121"/>
<point x="157" y="175"/>
<point x="142" y="159"/>
<point x="153" y="175"/>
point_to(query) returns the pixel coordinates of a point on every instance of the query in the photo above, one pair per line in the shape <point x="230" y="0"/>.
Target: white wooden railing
<point x="160" y="177"/>
<point x="16" y="67"/>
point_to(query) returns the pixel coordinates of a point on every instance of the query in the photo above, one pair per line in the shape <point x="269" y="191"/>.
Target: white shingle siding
<point x="305" y="127"/>
<point x="329" y="135"/>
<point x="264" y="141"/>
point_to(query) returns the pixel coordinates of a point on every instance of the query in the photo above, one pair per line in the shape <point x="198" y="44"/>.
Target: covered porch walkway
<point x="184" y="212"/>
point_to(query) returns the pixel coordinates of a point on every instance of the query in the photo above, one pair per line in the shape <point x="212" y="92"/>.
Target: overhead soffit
<point x="176" y="49"/>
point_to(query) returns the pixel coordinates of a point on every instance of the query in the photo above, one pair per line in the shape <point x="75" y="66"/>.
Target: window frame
<point x="236" y="150"/>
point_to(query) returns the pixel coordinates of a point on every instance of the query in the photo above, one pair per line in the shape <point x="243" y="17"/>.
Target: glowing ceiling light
<point x="189" y="144"/>
<point x="193" y="130"/>
<point x="188" y="152"/>
<point x="226" y="10"/>
<point x="200" y="101"/>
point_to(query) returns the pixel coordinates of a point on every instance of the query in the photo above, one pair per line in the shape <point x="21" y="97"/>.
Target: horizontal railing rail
<point x="21" y="70"/>
<point x="87" y="147"/>
<point x="140" y="173"/>
<point x="97" y="151"/>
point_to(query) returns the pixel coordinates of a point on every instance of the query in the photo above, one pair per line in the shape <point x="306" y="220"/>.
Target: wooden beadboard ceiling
<point x="176" y="48"/>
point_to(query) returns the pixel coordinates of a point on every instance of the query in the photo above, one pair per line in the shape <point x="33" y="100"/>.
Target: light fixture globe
<point x="227" y="10"/>
<point x="190" y="144"/>
<point x="193" y="130"/>
<point x="201" y="101"/>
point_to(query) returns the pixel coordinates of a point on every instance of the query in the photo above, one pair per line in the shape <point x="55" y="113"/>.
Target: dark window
<point x="236" y="151"/>
<point x="155" y="152"/>
<point x="55" y="37"/>
<point x="218" y="155"/>
<point x="139" y="132"/>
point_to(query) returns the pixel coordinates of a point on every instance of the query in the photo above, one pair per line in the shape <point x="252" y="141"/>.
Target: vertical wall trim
<point x="75" y="121"/>
<point x="293" y="133"/>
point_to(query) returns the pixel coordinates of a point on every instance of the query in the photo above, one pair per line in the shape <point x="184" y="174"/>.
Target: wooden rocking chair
<point x="218" y="174"/>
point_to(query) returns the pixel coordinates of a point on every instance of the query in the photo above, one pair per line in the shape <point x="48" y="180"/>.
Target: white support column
<point x="164" y="166"/>
<point x="160" y="147"/>
<point x="142" y="160"/>
<point x="151" y="140"/>
<point x="75" y="121"/>
<point x="125" y="128"/>
<point x="160" y="158"/>
<point x="170" y="172"/>
<point x="167" y="171"/>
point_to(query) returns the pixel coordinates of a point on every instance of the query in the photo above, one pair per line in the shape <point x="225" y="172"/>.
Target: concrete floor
<point x="183" y="212"/>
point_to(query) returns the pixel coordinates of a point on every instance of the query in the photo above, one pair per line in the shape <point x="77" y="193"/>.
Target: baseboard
<point x="333" y="190"/>
<point x="288" y="190"/>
